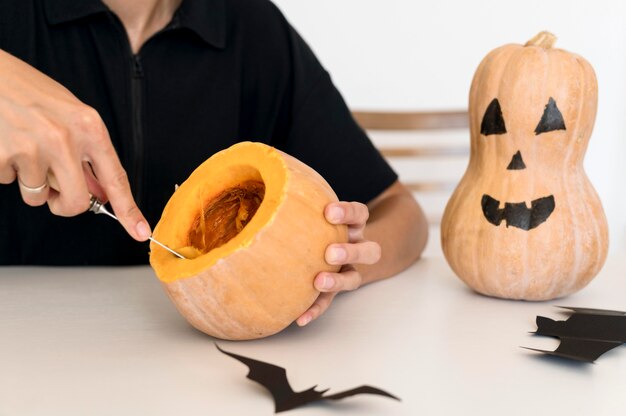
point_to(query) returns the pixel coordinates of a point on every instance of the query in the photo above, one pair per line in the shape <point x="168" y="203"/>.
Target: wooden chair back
<point x="429" y="150"/>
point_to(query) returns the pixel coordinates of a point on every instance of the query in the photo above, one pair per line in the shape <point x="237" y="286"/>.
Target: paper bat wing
<point x="359" y="390"/>
<point x="270" y="376"/>
<point x="580" y="349"/>
<point x="583" y="349"/>
<point x="274" y="379"/>
<point x="592" y="311"/>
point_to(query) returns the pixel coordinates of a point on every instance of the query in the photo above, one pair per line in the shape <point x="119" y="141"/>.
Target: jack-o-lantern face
<point x="525" y="222"/>
<point x="517" y="214"/>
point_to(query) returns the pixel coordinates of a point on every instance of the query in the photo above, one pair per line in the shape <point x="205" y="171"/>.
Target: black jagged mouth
<point x="517" y="214"/>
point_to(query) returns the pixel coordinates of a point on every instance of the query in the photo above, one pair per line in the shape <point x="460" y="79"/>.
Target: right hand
<point x="46" y="131"/>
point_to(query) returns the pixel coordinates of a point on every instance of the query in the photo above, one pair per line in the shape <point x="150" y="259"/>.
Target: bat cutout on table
<point x="274" y="379"/>
<point x="586" y="334"/>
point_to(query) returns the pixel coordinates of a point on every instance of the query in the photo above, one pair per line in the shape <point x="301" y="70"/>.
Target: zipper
<point x="136" y="105"/>
<point x="135" y="169"/>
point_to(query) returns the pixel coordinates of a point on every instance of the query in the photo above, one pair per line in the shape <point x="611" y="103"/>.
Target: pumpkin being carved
<point x="250" y="221"/>
<point x="525" y="222"/>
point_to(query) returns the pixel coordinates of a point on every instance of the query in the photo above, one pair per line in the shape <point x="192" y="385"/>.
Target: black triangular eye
<point x="551" y="120"/>
<point x="493" y="122"/>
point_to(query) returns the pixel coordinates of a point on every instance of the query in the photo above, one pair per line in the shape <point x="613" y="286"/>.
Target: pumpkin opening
<point x="225" y="215"/>
<point x="220" y="209"/>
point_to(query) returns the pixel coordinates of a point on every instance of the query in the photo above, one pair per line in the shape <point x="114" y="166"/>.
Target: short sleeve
<point x="324" y="135"/>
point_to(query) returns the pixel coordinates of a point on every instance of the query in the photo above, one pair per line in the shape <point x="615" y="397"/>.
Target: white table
<point x="107" y="341"/>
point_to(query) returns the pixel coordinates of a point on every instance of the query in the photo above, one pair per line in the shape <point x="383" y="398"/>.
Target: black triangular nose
<point x="517" y="163"/>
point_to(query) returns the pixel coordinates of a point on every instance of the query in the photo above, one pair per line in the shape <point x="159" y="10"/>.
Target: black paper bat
<point x="586" y="334"/>
<point x="274" y="379"/>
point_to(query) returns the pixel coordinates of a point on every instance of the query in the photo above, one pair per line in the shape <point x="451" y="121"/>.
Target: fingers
<point x="34" y="195"/>
<point x="102" y="174"/>
<point x="320" y="305"/>
<point x="348" y="279"/>
<point x="114" y="181"/>
<point x="353" y="214"/>
<point x="92" y="183"/>
<point x="330" y="284"/>
<point x="358" y="251"/>
<point x="7" y="174"/>
<point x="366" y="252"/>
<point x="71" y="196"/>
<point x="31" y="174"/>
<point x="350" y="213"/>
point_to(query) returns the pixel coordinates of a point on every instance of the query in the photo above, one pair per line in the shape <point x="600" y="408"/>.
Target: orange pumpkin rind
<point x="258" y="279"/>
<point x="524" y="162"/>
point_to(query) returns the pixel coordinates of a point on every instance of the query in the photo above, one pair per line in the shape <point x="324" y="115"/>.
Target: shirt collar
<point x="206" y="18"/>
<point x="61" y="11"/>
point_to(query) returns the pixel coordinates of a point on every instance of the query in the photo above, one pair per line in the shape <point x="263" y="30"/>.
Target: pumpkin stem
<point x="544" y="39"/>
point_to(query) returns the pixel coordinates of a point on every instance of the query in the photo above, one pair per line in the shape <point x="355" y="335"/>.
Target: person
<point x="123" y="99"/>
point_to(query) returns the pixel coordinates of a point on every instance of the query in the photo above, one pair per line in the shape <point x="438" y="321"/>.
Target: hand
<point x="45" y="131"/>
<point x="357" y="251"/>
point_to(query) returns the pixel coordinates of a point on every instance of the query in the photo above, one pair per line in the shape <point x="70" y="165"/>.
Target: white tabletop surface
<point x="107" y="341"/>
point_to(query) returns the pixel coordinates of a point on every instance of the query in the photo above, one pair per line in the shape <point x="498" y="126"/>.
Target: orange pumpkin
<point x="250" y="221"/>
<point x="525" y="222"/>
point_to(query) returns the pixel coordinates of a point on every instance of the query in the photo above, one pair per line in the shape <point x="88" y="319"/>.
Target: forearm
<point x="398" y="224"/>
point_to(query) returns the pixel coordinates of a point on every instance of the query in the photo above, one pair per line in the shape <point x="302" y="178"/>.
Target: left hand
<point x="358" y="250"/>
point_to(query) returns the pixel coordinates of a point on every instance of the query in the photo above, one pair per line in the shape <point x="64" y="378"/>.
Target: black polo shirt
<point x="220" y="72"/>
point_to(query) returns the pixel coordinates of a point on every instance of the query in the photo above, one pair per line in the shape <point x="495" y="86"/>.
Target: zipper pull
<point x="138" y="68"/>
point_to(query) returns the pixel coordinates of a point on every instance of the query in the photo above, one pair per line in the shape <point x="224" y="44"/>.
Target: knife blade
<point x="97" y="207"/>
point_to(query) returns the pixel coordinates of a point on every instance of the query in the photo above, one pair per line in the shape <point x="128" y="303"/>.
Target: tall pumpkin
<point x="250" y="221"/>
<point x="525" y="222"/>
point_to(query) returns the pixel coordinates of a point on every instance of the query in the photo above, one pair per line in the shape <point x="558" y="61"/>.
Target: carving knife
<point x="98" y="207"/>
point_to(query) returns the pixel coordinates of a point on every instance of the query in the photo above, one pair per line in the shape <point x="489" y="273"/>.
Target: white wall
<point x="411" y="54"/>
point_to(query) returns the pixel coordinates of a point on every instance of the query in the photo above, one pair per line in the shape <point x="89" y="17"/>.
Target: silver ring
<point x="35" y="190"/>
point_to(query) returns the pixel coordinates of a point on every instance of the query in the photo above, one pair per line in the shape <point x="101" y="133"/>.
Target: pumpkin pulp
<point x="225" y="215"/>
